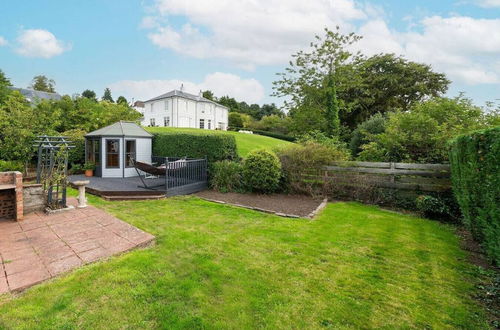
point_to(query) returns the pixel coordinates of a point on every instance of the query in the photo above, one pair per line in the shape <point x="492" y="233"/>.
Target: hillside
<point x="244" y="142"/>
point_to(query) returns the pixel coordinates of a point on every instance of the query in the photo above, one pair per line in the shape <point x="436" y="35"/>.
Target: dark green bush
<point x="431" y="207"/>
<point x="262" y="171"/>
<point x="372" y="126"/>
<point x="475" y="169"/>
<point x="8" y="165"/>
<point x="195" y="145"/>
<point x="275" y="135"/>
<point x="76" y="155"/>
<point x="225" y="176"/>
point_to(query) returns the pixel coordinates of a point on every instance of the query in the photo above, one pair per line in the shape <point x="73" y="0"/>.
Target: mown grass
<point x="217" y="266"/>
<point x="244" y="142"/>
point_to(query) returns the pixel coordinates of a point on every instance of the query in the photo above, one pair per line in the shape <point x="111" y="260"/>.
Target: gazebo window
<point x="113" y="153"/>
<point x="130" y="153"/>
<point x="92" y="153"/>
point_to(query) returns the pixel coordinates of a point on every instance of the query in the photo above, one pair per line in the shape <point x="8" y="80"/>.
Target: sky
<point x="141" y="49"/>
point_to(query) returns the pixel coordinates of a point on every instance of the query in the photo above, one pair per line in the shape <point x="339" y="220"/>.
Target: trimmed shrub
<point x="475" y="169"/>
<point x="195" y="145"/>
<point x="225" y="176"/>
<point x="275" y="135"/>
<point x="262" y="171"/>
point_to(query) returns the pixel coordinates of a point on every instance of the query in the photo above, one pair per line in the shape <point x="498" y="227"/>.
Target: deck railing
<point x="183" y="175"/>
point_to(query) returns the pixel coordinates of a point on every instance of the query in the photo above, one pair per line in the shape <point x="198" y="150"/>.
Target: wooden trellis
<point x="52" y="168"/>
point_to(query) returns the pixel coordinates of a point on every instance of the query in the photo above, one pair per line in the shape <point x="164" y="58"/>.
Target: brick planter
<point x="11" y="195"/>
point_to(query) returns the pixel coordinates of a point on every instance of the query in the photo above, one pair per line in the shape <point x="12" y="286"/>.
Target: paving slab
<point x="45" y="245"/>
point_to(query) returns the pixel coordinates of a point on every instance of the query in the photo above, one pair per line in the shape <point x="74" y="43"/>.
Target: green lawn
<point x="245" y="142"/>
<point x="217" y="266"/>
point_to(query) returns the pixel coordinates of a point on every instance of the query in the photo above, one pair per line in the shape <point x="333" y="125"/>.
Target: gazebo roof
<point x="121" y="128"/>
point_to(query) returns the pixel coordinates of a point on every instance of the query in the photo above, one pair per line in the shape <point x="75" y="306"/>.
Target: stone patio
<point x="43" y="246"/>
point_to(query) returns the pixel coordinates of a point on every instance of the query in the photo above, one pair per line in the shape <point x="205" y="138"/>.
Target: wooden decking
<point x="121" y="188"/>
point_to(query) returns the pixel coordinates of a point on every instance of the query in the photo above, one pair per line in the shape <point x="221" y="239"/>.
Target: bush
<point x="421" y="134"/>
<point x="7" y="166"/>
<point x="195" y="145"/>
<point x="225" y="176"/>
<point x="475" y="168"/>
<point x="76" y="155"/>
<point x="275" y="135"/>
<point x="262" y="171"/>
<point x="235" y="120"/>
<point x="308" y="157"/>
<point x="431" y="207"/>
<point x="360" y="136"/>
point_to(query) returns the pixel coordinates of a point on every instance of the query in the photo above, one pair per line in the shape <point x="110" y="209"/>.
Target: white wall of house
<point x="143" y="154"/>
<point x="182" y="112"/>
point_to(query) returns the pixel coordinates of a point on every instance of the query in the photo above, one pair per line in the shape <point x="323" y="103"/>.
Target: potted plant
<point x="89" y="169"/>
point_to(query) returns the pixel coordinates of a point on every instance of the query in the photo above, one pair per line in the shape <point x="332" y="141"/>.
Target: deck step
<point x="132" y="197"/>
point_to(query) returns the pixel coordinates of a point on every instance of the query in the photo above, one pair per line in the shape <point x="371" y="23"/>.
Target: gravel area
<point x="287" y="204"/>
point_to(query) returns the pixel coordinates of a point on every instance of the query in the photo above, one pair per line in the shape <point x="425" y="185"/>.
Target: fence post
<point x="393" y="169"/>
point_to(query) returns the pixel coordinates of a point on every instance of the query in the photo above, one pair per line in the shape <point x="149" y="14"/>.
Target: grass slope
<point x="245" y="142"/>
<point x="217" y="266"/>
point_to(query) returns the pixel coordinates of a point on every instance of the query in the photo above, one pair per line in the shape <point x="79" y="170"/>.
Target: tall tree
<point x="4" y="83"/>
<point x="209" y="95"/>
<point x="313" y="77"/>
<point x="90" y="94"/>
<point x="363" y="86"/>
<point x="332" y="108"/>
<point x="229" y="102"/>
<point x="122" y="100"/>
<point x="43" y="84"/>
<point x="107" y="95"/>
<point x="389" y="82"/>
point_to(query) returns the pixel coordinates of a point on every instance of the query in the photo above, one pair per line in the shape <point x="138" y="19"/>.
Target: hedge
<point x="266" y="133"/>
<point x="475" y="168"/>
<point x="195" y="145"/>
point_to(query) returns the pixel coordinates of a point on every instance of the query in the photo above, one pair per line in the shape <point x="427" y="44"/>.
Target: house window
<point x="209" y="124"/>
<point x="92" y="152"/>
<point x="166" y="105"/>
<point x="130" y="153"/>
<point x="202" y="123"/>
<point x="152" y="122"/>
<point x="112" y="153"/>
<point x="166" y="121"/>
<point x="221" y="126"/>
<point x="152" y="107"/>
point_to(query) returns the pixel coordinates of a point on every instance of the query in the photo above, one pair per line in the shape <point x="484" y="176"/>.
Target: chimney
<point x="200" y="94"/>
<point x="182" y="87"/>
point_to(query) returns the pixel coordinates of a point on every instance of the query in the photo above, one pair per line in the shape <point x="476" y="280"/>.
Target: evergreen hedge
<point x="475" y="166"/>
<point x="215" y="147"/>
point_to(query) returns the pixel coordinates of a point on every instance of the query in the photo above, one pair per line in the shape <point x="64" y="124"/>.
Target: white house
<point x="112" y="149"/>
<point x="180" y="109"/>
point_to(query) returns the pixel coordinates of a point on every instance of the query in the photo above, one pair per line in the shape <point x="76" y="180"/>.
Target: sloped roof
<point x="31" y="95"/>
<point x="121" y="128"/>
<point x="184" y="95"/>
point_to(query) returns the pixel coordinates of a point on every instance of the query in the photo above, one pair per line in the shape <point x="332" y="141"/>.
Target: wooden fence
<point x="400" y="176"/>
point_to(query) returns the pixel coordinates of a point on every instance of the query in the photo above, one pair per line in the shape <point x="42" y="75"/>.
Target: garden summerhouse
<point x="114" y="148"/>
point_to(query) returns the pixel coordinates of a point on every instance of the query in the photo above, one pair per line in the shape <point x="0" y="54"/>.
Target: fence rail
<point x="405" y="176"/>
